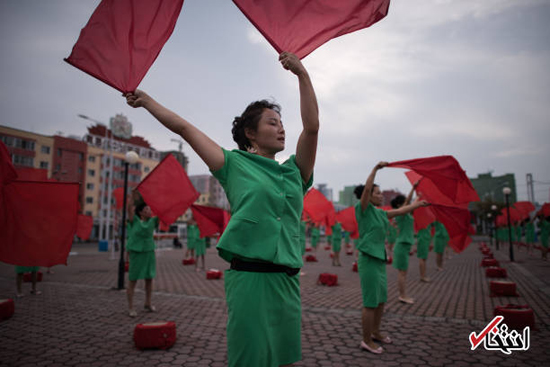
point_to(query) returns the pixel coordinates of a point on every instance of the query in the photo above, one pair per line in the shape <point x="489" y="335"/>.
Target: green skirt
<point x="143" y="265"/>
<point x="25" y="269"/>
<point x="401" y="255"/>
<point x="422" y="249"/>
<point x="374" y="283"/>
<point x="200" y="248"/>
<point x="336" y="244"/>
<point x="439" y="245"/>
<point x="191" y="244"/>
<point x="264" y="319"/>
<point x="314" y="241"/>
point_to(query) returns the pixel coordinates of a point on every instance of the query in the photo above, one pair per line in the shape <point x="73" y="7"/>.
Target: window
<point x="91" y="172"/>
<point x="79" y="170"/>
<point x="44" y="165"/>
<point x="58" y="152"/>
<point x="21" y="160"/>
<point x="8" y="140"/>
<point x="89" y="200"/>
<point x="91" y="158"/>
<point x="146" y="169"/>
<point x="90" y="186"/>
<point x="88" y="213"/>
<point x="57" y="167"/>
<point x="80" y="156"/>
<point x="45" y="149"/>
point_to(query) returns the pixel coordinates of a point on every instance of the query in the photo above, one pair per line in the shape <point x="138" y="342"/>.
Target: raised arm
<point x="409" y="197"/>
<point x="367" y="191"/>
<point x="209" y="151"/>
<point x="405" y="209"/>
<point x="306" y="148"/>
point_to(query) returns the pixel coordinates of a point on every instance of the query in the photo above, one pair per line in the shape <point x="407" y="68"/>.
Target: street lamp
<point x="489" y="215"/>
<point x="130" y="158"/>
<point x="494" y="209"/>
<point x="507" y="191"/>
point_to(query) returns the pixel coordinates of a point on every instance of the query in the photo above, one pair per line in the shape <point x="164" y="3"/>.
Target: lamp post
<point x="507" y="191"/>
<point x="494" y="209"/>
<point x="489" y="221"/>
<point x="131" y="158"/>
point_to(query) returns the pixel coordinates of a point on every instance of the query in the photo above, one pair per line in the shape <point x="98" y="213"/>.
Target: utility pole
<point x="530" y="189"/>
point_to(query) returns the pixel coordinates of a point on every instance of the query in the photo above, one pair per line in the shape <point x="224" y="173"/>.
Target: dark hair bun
<point x="397" y="201"/>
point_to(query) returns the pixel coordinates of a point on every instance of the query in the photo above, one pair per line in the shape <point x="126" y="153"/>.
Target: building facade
<point x="489" y="187"/>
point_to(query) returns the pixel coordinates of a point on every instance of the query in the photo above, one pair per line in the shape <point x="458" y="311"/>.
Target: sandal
<point x="384" y="340"/>
<point x="36" y="293"/>
<point x="132" y="313"/>
<point x="407" y="300"/>
<point x="150" y="308"/>
<point x="377" y="350"/>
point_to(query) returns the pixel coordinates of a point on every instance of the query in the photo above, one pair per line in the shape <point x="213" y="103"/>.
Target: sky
<point x="468" y="78"/>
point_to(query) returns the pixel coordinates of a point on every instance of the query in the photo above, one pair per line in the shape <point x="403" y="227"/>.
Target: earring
<point x="252" y="150"/>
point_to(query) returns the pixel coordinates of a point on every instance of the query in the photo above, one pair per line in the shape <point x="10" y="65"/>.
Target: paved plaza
<point x="80" y="320"/>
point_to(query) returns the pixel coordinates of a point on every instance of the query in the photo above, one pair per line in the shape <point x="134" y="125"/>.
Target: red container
<point x="308" y="249"/>
<point x="7" y="308"/>
<point x="354" y="267"/>
<point x="489" y="262"/>
<point x="502" y="288"/>
<point x="495" y="272"/>
<point x="188" y="261"/>
<point x="126" y="266"/>
<point x="328" y="279"/>
<point x="311" y="258"/>
<point x="213" y="274"/>
<point x="155" y="335"/>
<point x="516" y="316"/>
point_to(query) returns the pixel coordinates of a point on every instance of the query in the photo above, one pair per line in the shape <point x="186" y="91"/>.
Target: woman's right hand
<point x="381" y="165"/>
<point x="137" y="98"/>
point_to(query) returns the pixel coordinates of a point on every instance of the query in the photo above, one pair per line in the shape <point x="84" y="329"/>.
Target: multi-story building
<point x="489" y="187"/>
<point x="212" y="193"/>
<point x="325" y="190"/>
<point x="347" y="196"/>
<point x="28" y="149"/>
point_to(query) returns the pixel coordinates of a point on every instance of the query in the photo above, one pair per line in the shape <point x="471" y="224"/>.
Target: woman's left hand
<point x="291" y="62"/>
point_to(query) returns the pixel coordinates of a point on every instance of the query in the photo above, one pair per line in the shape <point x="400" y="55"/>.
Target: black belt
<point x="262" y="267"/>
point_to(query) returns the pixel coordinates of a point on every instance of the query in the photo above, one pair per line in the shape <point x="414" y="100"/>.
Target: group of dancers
<point x="263" y="242"/>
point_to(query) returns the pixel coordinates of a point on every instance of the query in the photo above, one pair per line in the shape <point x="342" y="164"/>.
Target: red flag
<point x="457" y="222"/>
<point x="7" y="171"/>
<point x="84" y="226"/>
<point x="118" y="193"/>
<point x="31" y="174"/>
<point x="122" y="40"/>
<point x="446" y="174"/>
<point x="515" y="215"/>
<point x="347" y="218"/>
<point x="210" y="220"/>
<point x="423" y="217"/>
<point x="318" y="208"/>
<point x="525" y="208"/>
<point x="38" y="221"/>
<point x="168" y="190"/>
<point x="301" y="26"/>
<point x="545" y="210"/>
<point x="163" y="227"/>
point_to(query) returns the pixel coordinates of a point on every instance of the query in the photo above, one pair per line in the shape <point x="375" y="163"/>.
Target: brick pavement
<point x="80" y="321"/>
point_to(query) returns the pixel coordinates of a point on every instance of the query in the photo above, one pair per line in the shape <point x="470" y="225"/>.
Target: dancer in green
<point x="193" y="235"/>
<point x="336" y="244"/>
<point x="261" y="240"/>
<point x="200" y="251"/>
<point x="373" y="225"/>
<point x="315" y="237"/>
<point x="529" y="235"/>
<point x="423" y="240"/>
<point x="404" y="242"/>
<point x="141" y="250"/>
<point x="20" y="271"/>
<point x="544" y="224"/>
<point x="441" y="239"/>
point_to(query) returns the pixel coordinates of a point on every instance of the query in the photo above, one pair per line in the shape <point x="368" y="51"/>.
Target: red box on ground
<point x="516" y="316"/>
<point x="328" y="279"/>
<point x="155" y="335"/>
<point x="7" y="308"/>
<point x="503" y="288"/>
<point x="213" y="274"/>
<point x="495" y="272"/>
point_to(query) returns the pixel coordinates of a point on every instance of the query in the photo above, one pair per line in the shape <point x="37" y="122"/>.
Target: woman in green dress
<point x="336" y="244"/>
<point x="373" y="225"/>
<point x="404" y="242"/>
<point x="423" y="240"/>
<point x="441" y="239"/>
<point x="20" y="271"/>
<point x="262" y="239"/>
<point x="544" y="225"/>
<point x="315" y="237"/>
<point x="141" y="252"/>
<point x="200" y="251"/>
<point x="193" y="235"/>
<point x="529" y="235"/>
